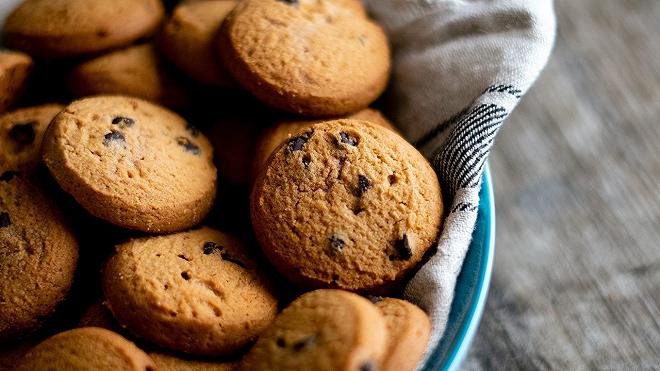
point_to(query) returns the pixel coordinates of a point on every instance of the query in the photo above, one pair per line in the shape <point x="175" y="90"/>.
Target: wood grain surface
<point x="576" y="282"/>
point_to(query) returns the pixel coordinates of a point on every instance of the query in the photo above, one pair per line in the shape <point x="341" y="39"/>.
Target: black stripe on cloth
<point x="438" y="129"/>
<point x="462" y="157"/>
<point x="509" y="89"/>
<point x="464" y="206"/>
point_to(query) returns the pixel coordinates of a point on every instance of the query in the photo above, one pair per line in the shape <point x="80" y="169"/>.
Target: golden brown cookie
<point x="346" y="204"/>
<point x="15" y="67"/>
<point x="408" y="331"/>
<point x="38" y="256"/>
<point x="188" y="40"/>
<point x="330" y="330"/>
<point x="87" y="348"/>
<point x="132" y="163"/>
<point x="313" y="57"/>
<point x="63" y="28"/>
<point x="136" y="71"/>
<point x="168" y="362"/>
<point x="21" y="134"/>
<point x="196" y="292"/>
<point x="272" y="137"/>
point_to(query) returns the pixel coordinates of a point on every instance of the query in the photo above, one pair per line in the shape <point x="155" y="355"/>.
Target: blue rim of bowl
<point x="470" y="322"/>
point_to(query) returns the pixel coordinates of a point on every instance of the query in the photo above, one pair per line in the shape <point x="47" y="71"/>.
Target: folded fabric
<point x="460" y="68"/>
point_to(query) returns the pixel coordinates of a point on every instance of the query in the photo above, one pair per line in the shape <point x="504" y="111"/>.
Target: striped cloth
<point x="460" y="68"/>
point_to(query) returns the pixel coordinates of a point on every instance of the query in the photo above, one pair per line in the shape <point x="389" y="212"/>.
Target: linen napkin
<point x="460" y="67"/>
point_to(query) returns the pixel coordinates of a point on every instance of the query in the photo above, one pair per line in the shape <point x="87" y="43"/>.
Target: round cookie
<point x="408" y="332"/>
<point x="88" y="348"/>
<point x="136" y="71"/>
<point x="322" y="330"/>
<point x="188" y="37"/>
<point x="38" y="256"/>
<point x="65" y="28"/>
<point x="196" y="292"/>
<point x="15" y="67"/>
<point x="168" y="362"/>
<point x="21" y="134"/>
<point x="313" y="57"/>
<point x="346" y="204"/>
<point x="132" y="163"/>
<point x="272" y="137"/>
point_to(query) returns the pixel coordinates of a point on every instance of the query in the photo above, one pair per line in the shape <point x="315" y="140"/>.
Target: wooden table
<point x="576" y="281"/>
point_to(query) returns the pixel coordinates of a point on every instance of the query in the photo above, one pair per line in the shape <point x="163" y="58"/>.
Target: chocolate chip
<point x="304" y="343"/>
<point x="192" y="130"/>
<point x="280" y="343"/>
<point x="4" y="220"/>
<point x="183" y="257"/>
<point x="336" y="243"/>
<point x="403" y="249"/>
<point x="292" y="2"/>
<point x="23" y="134"/>
<point x="211" y="247"/>
<point x="225" y="256"/>
<point x="363" y="184"/>
<point x="297" y="143"/>
<point x="8" y="175"/>
<point x="345" y="138"/>
<point x="188" y="145"/>
<point x="123" y="122"/>
<point x="185" y="275"/>
<point x="114" y="136"/>
<point x="368" y="366"/>
<point x="306" y="161"/>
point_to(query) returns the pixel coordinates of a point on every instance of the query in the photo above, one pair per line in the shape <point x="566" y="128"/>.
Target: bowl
<point x="471" y="287"/>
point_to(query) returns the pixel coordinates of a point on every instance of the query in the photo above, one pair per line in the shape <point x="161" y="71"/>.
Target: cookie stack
<point x="204" y="186"/>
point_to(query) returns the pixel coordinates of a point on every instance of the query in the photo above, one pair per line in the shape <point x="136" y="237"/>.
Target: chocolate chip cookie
<point x="196" y="292"/>
<point x="188" y="37"/>
<point x="346" y="204"/>
<point x="87" y="348"/>
<point x="132" y="163"/>
<point x="272" y="137"/>
<point x="15" y="67"/>
<point x="136" y="71"/>
<point x="21" y="134"/>
<point x="312" y="57"/>
<point x="408" y="331"/>
<point x="38" y="256"/>
<point x="322" y="330"/>
<point x="65" y="28"/>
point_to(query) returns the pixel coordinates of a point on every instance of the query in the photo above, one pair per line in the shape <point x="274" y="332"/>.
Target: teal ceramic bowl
<point x="471" y="287"/>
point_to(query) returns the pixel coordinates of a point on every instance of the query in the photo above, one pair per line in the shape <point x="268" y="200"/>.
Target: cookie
<point x="88" y="348"/>
<point x="132" y="163"/>
<point x="322" y="330"/>
<point x="272" y="137"/>
<point x="38" y="256"/>
<point x="15" y="67"/>
<point x="408" y="331"/>
<point x="312" y="57"/>
<point x="65" y="28"/>
<point x="196" y="292"/>
<point x="136" y="71"/>
<point x="188" y="37"/>
<point x="98" y="315"/>
<point x="346" y="204"/>
<point x="168" y="362"/>
<point x="21" y="134"/>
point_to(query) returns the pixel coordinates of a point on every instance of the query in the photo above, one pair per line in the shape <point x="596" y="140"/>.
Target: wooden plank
<point x="576" y="283"/>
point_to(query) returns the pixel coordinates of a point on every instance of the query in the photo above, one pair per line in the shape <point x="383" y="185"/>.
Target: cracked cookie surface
<point x="311" y="57"/>
<point x="132" y="163"/>
<point x="346" y="204"/>
<point x="196" y="292"/>
<point x="38" y="256"/>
